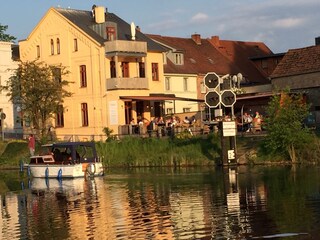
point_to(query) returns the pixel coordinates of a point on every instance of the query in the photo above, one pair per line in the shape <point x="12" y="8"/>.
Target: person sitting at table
<point x="247" y="122"/>
<point x="134" y="128"/>
<point x="160" y="121"/>
<point x="186" y="120"/>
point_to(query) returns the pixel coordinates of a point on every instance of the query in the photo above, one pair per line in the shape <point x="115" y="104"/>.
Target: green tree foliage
<point x="5" y="37"/>
<point x="39" y="90"/>
<point x="285" y="124"/>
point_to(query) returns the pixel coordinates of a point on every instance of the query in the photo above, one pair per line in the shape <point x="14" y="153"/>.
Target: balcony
<point x="129" y="48"/>
<point x="127" y="83"/>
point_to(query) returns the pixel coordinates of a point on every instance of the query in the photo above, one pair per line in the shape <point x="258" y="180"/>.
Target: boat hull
<point x="66" y="171"/>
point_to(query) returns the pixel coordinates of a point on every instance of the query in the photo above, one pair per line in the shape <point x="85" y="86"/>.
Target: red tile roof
<point x="299" y="61"/>
<point x="215" y="55"/>
<point x="198" y="58"/>
<point x="240" y="52"/>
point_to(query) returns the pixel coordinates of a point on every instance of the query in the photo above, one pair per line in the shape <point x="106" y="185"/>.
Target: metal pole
<point x="2" y="124"/>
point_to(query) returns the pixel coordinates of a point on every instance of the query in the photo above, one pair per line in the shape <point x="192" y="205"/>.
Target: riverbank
<point x="146" y="152"/>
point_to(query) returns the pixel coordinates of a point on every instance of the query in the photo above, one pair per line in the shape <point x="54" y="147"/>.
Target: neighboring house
<point x="117" y="71"/>
<point x="257" y="62"/>
<point x="242" y="55"/>
<point x="187" y="61"/>
<point x="196" y="56"/>
<point x="299" y="70"/>
<point x="11" y="125"/>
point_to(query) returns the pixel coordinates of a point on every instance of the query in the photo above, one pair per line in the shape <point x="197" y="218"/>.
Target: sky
<point x="280" y="24"/>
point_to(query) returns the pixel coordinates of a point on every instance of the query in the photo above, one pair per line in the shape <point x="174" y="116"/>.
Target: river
<point x="274" y="202"/>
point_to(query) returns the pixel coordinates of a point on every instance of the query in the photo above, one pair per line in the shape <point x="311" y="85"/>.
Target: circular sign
<point x="212" y="99"/>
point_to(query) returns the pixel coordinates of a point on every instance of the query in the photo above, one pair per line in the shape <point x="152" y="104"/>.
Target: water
<point x="241" y="203"/>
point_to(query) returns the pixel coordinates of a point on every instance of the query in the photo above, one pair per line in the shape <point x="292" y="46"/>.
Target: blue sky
<point x="280" y="24"/>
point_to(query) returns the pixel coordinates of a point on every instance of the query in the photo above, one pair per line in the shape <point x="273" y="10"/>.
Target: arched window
<point x="58" y="46"/>
<point x="52" y="47"/>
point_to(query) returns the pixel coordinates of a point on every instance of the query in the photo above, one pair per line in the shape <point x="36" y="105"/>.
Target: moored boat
<point x="66" y="160"/>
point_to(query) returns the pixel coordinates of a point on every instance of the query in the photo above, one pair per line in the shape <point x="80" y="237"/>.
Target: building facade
<point x="109" y="61"/>
<point x="299" y="71"/>
<point x="10" y="114"/>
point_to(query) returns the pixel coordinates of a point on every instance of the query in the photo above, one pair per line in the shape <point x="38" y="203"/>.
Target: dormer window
<point x="111" y="33"/>
<point x="178" y="58"/>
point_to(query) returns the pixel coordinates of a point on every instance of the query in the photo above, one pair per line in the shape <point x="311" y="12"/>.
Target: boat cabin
<point x="66" y="153"/>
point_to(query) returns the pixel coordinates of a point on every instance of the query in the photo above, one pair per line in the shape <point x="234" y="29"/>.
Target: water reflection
<point x="230" y="203"/>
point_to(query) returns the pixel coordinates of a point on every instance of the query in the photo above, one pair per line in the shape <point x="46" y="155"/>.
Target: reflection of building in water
<point x="12" y="215"/>
<point x="188" y="214"/>
<point x="116" y="213"/>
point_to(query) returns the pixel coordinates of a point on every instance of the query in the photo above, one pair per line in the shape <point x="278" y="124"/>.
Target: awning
<point x="160" y="97"/>
<point x="263" y="95"/>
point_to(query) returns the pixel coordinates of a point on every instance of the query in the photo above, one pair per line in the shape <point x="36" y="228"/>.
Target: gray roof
<point x="83" y="19"/>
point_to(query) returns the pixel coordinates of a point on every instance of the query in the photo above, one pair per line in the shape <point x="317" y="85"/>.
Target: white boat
<point x="66" y="160"/>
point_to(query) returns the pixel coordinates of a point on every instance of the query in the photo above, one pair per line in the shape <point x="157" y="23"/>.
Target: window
<point x="169" y="110"/>
<point x="178" y="59"/>
<point x="58" y="46"/>
<point x="113" y="73"/>
<point x="83" y="76"/>
<point x="264" y="64"/>
<point x="167" y="84"/>
<point x="38" y="51"/>
<point x="84" y="114"/>
<point x="57" y="74"/>
<point x="155" y="72"/>
<point x="142" y="70"/>
<point x="186" y="110"/>
<point x="59" y="117"/>
<point x="185" y="84"/>
<point x="111" y="33"/>
<point x="125" y="69"/>
<point x="75" y="45"/>
<point x="52" y="46"/>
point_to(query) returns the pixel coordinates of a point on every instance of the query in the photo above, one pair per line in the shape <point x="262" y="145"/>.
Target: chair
<point x="256" y="126"/>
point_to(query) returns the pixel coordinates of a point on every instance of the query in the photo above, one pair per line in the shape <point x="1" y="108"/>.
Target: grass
<point x="140" y="152"/>
<point x="13" y="152"/>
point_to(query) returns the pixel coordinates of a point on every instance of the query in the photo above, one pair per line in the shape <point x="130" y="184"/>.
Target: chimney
<point x="215" y="40"/>
<point x="99" y="14"/>
<point x="138" y="28"/>
<point x="317" y="40"/>
<point x="196" y="38"/>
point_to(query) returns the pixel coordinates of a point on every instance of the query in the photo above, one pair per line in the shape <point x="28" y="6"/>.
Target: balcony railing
<point x="127" y="83"/>
<point x="118" y="46"/>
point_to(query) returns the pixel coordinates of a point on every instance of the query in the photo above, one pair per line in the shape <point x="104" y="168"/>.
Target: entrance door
<point x="157" y="109"/>
<point x="139" y="107"/>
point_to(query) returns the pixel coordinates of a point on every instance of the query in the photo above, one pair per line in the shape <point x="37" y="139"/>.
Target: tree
<point x="285" y="124"/>
<point x="39" y="90"/>
<point x="5" y="37"/>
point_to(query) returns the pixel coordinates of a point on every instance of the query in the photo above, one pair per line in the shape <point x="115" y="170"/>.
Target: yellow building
<point x="117" y="71"/>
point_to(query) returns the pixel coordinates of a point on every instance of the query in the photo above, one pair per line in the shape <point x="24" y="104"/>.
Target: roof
<point x="69" y="144"/>
<point x="240" y="53"/>
<point x="83" y="19"/>
<point x="198" y="58"/>
<point x="299" y="61"/>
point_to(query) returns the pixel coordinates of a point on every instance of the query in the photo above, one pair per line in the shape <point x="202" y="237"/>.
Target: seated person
<point x="186" y="120"/>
